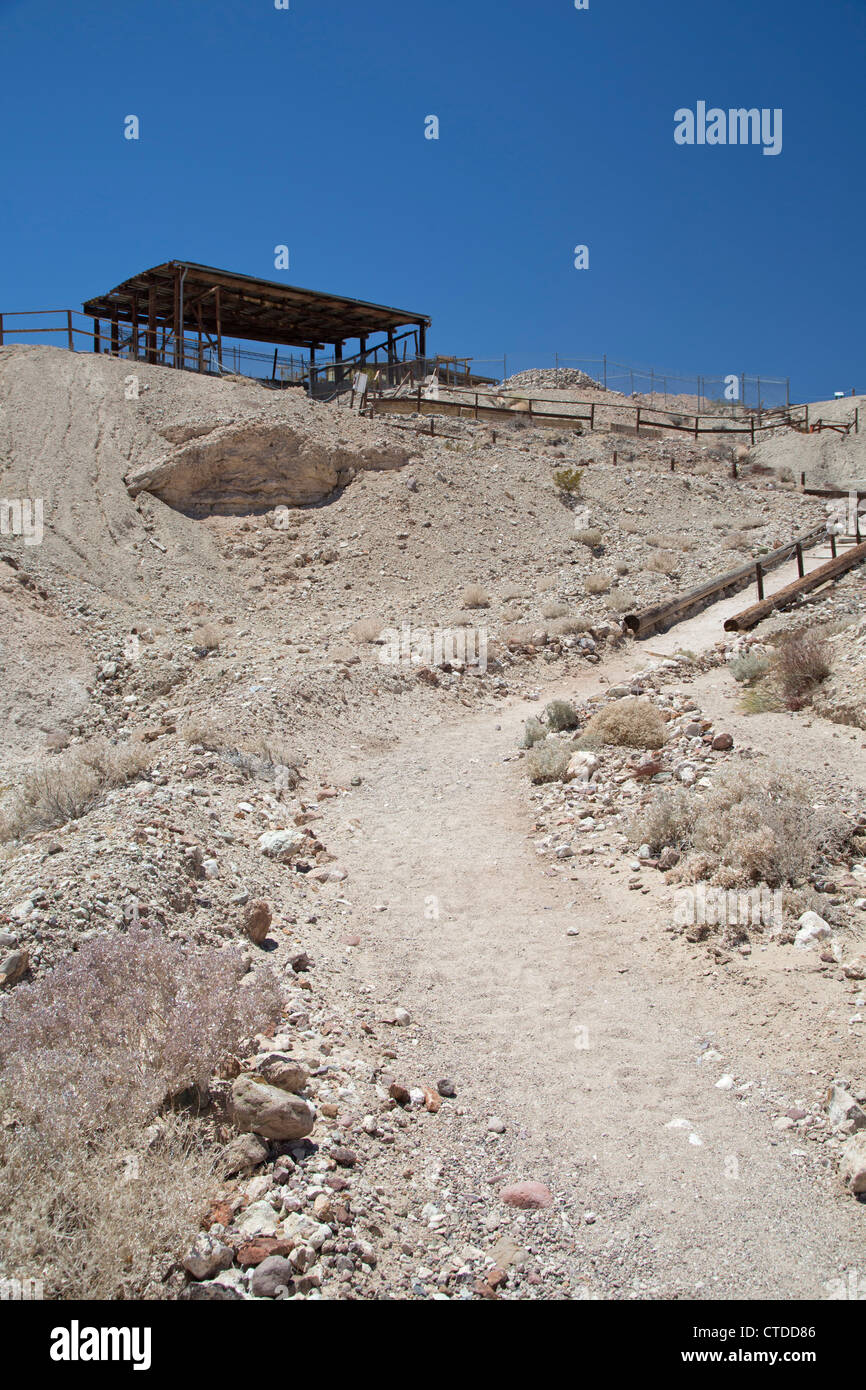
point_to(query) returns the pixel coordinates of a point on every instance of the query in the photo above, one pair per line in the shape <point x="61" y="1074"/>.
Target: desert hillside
<point x="348" y="843"/>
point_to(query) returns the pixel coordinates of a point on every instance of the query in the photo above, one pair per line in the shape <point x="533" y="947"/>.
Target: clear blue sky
<point x="306" y="127"/>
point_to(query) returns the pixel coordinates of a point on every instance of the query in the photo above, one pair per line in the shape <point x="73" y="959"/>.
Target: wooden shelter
<point x="176" y="312"/>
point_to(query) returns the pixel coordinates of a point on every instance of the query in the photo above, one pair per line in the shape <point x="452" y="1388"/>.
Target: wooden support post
<point x="1" y="330"/>
<point x="114" y="333"/>
<point x="70" y="339"/>
<point x="476" y="405"/>
<point x="734" y="468"/>
<point x="151" y="324"/>
<point x="752" y="422"/>
<point x="697" y="422"/>
<point x="759" y="575"/>
<point x="96" y="329"/>
<point x="673" y="466"/>
<point x="637" y="421"/>
<point x="219" y="328"/>
<point x="801" y="570"/>
<point x="614" y="457"/>
<point x="422" y="341"/>
<point x="134" y="334"/>
<point x="833" y="545"/>
<point x="592" y="415"/>
<point x="176" y="318"/>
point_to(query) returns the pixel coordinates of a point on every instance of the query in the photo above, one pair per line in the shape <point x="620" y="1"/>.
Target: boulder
<point x="263" y="1109"/>
<point x="272" y="1277"/>
<point x="529" y="1196"/>
<point x="282" y="1070"/>
<point x="812" y="929"/>
<point x="282" y="844"/>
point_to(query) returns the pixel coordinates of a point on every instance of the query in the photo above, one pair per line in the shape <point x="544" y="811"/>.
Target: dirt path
<point x="589" y="1046"/>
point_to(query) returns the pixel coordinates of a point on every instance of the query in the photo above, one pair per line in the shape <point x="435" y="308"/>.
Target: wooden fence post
<point x="759" y="575"/>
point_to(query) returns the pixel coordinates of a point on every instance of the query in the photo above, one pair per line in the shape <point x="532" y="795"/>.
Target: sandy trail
<point x="588" y="1045"/>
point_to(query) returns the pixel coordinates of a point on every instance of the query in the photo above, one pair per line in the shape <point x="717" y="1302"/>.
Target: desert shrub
<point x="58" y="790"/>
<point x="206" y="638"/>
<point x="631" y="722"/>
<point x="590" y="537"/>
<point x="205" y="732"/>
<point x="554" y="610"/>
<point x="662" y="542"/>
<point x="547" y="761"/>
<point x="96" y="1187"/>
<point x="621" y="568"/>
<point x="568" y="481"/>
<point x="567" y="627"/>
<point x="800" y="663"/>
<point x="751" y="667"/>
<point x="560" y="715"/>
<point x="620" y="600"/>
<point x="533" y="732"/>
<point x="596" y="584"/>
<point x="512" y="615"/>
<point x="510" y="593"/>
<point x="765" y="831"/>
<point x="366" y="630"/>
<point x="667" y="821"/>
<point x="662" y="562"/>
<point x="761" y="699"/>
<point x="473" y="596"/>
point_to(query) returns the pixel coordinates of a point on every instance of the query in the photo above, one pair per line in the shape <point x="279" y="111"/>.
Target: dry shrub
<point x="668" y="822"/>
<point x="473" y="596"/>
<point x="511" y="592"/>
<point x="512" y="615"/>
<point x="554" y="610"/>
<point x="58" y="790"/>
<point x="205" y="732"/>
<point x="744" y="831"/>
<point x="630" y="722"/>
<point x="366" y="630"/>
<point x="596" y="584"/>
<point x="560" y="715"/>
<point x="620" y="600"/>
<point x="800" y="663"/>
<point x="662" y="542"/>
<point x="547" y="761"/>
<point x="590" y="537"/>
<point x="567" y="627"/>
<point x="89" y="1056"/>
<point x="765" y="831"/>
<point x="662" y="562"/>
<point x="206" y="637"/>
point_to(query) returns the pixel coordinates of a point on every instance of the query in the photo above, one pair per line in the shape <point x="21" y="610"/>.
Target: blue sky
<point x="306" y="127"/>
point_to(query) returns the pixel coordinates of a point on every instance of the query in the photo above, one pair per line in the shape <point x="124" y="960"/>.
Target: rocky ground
<point x="503" y="1073"/>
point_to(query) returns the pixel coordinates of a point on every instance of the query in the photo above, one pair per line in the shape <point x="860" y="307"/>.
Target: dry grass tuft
<point x="596" y="584"/>
<point x="590" y="537"/>
<point x="554" y="610"/>
<point x="560" y="715"/>
<point x="58" y="790"/>
<point x="366" y="630"/>
<point x="474" y="596"/>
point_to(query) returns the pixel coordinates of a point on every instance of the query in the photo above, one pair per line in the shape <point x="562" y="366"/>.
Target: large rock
<point x="282" y="1070"/>
<point x="253" y="465"/>
<point x="844" y="1110"/>
<point x="812" y="930"/>
<point x="282" y="844"/>
<point x="263" y="1109"/>
<point x="581" y="766"/>
<point x="530" y="1196"/>
<point x="245" y="1153"/>
<point x="272" y="1277"/>
<point x="257" y="920"/>
<point x="853" y="1167"/>
<point x="206" y="1257"/>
